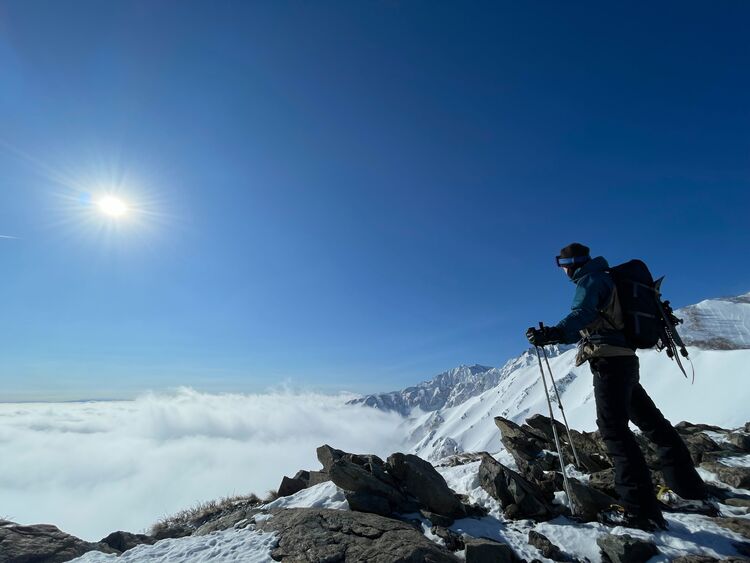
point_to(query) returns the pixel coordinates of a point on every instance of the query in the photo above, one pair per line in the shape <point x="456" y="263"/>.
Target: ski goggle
<point x="571" y="261"/>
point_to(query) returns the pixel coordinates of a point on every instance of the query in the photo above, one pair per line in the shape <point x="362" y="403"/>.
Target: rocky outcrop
<point x="483" y="550"/>
<point x="123" y="541"/>
<point x="587" y="501"/>
<point x="519" y="497"/>
<point x="42" y="543"/>
<point x="314" y="534"/>
<point x="547" y="548"/>
<point x="737" y="477"/>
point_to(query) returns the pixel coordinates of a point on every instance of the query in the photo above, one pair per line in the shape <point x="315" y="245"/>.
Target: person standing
<point x="596" y="323"/>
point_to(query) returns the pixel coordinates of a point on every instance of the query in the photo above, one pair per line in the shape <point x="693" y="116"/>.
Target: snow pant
<point x="620" y="399"/>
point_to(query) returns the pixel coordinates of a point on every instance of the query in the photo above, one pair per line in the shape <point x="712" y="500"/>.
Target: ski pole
<point x="559" y="404"/>
<point x="554" y="432"/>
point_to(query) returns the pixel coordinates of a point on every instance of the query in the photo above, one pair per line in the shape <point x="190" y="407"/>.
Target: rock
<point x="519" y="497"/>
<point x="738" y="502"/>
<point x="354" y="478"/>
<point x="42" y="543"/>
<point x="172" y="531"/>
<point x="453" y="541"/>
<point x="363" y="501"/>
<point x="626" y="549"/>
<point x="739" y="525"/>
<point x="747" y="427"/>
<point x="290" y="486"/>
<point x="482" y="550"/>
<point x="427" y="485"/>
<point x="694" y="559"/>
<point x="123" y="541"/>
<point x="590" y="449"/>
<point x="317" y="477"/>
<point x="302" y="475"/>
<point x="740" y="440"/>
<point x="326" y="535"/>
<point x="698" y="444"/>
<point x="546" y="547"/>
<point x="231" y="520"/>
<point x="327" y="455"/>
<point x="437" y="519"/>
<point x="738" y="477"/>
<point x="604" y="481"/>
<point x="718" y="455"/>
<point x="587" y="501"/>
<point x="685" y="427"/>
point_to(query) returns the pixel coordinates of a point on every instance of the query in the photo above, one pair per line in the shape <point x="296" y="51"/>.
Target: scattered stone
<point x="42" y="543"/>
<point x="326" y="535"/>
<point x="625" y="549"/>
<point x="482" y="550"/>
<point x="546" y="547"/>
<point x="519" y="497"/>
<point x="738" y="477"/>
<point x="290" y="486"/>
<point x="123" y="541"/>
<point x="453" y="541"/>
<point x="739" y="525"/>
<point x="587" y="502"/>
<point x="425" y="483"/>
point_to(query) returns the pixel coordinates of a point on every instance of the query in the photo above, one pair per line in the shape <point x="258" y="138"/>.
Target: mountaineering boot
<point x="672" y="502"/>
<point x="616" y="515"/>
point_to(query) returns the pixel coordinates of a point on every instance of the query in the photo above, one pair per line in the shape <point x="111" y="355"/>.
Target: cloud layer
<point x="92" y="468"/>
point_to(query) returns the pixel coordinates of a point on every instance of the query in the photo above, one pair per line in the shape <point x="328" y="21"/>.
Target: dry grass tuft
<point x="191" y="518"/>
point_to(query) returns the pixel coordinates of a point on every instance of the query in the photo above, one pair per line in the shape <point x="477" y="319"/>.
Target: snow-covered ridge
<point x="717" y="324"/>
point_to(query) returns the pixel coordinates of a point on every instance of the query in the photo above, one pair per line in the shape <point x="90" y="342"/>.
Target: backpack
<point x="649" y="321"/>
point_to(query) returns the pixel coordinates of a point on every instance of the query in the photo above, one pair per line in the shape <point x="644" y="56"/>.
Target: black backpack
<point x="649" y="321"/>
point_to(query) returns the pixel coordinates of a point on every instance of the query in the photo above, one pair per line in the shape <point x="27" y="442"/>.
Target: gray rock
<point x="302" y="475"/>
<point x="519" y="497"/>
<point x="694" y="559"/>
<point x="740" y="440"/>
<point x="317" y="477"/>
<point x="123" y="541"/>
<point x="363" y="501"/>
<point x="625" y="549"/>
<point x="289" y="486"/>
<point x="686" y="427"/>
<point x="546" y="547"/>
<point x="739" y="525"/>
<point x="352" y="477"/>
<point x="42" y="543"/>
<point x="227" y="521"/>
<point x="325" y="535"/>
<point x="437" y="519"/>
<point x="698" y="444"/>
<point x="589" y="446"/>
<point x="738" y="502"/>
<point x="738" y="477"/>
<point x="587" y="501"/>
<point x="747" y="427"/>
<point x="425" y="483"/>
<point x="482" y="550"/>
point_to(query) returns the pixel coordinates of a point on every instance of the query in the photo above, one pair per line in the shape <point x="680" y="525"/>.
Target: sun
<point x="113" y="206"/>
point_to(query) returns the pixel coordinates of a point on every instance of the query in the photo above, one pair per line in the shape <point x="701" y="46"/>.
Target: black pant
<point x="621" y="398"/>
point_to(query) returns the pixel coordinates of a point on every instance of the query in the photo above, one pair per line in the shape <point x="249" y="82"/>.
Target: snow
<point x="322" y="495"/>
<point x="233" y="545"/>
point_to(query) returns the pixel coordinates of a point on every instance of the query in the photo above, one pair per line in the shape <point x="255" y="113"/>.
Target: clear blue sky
<point x="349" y="195"/>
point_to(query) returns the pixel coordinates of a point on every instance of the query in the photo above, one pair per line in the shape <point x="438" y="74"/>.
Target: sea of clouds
<point x="96" y="467"/>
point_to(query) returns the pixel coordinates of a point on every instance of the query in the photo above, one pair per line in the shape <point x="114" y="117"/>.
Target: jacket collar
<point x="598" y="264"/>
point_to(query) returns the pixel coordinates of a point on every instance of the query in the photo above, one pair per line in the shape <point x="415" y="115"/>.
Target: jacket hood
<point x="598" y="264"/>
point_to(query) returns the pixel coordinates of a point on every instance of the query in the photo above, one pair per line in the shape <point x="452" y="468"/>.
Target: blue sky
<point x="349" y="195"/>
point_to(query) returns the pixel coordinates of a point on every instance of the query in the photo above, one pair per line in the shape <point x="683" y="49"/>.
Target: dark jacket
<point x="596" y="310"/>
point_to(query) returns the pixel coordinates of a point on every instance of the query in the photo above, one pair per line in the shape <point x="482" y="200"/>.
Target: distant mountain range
<point x="454" y="411"/>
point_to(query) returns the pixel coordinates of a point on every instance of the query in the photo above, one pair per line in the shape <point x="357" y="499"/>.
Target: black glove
<point x="543" y="336"/>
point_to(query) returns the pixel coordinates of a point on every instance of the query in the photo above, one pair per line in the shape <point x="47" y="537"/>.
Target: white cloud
<point x="92" y="468"/>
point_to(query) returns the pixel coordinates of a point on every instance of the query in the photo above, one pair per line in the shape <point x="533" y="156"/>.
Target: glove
<point x="543" y="336"/>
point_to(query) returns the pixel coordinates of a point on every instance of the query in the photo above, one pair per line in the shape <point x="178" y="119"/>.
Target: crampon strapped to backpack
<point x="649" y="321"/>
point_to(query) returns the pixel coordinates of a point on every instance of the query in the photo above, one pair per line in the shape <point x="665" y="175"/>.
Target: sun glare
<point x="112" y="206"/>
